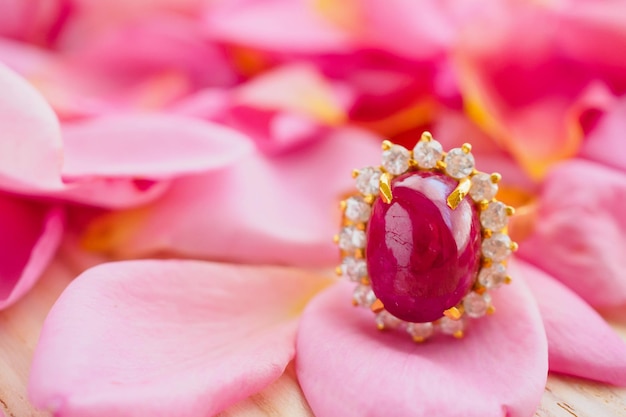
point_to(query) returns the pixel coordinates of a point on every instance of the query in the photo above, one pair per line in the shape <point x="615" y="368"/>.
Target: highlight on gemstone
<point x="425" y="239"/>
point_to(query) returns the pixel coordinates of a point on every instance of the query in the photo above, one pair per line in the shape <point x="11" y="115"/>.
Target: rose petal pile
<point x="226" y="132"/>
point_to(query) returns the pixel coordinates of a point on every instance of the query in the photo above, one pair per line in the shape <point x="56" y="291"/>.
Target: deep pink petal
<point x="163" y="338"/>
<point x="29" y="236"/>
<point x="346" y="367"/>
<point x="279" y="209"/>
<point x="30" y="149"/>
<point x="148" y="146"/>
<point x="606" y="143"/>
<point x="580" y="231"/>
<point x="580" y="342"/>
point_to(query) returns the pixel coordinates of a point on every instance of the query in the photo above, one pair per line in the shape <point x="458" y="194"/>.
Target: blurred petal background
<point x="226" y="131"/>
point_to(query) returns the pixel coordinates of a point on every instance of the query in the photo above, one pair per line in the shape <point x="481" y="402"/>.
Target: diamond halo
<point x="479" y="187"/>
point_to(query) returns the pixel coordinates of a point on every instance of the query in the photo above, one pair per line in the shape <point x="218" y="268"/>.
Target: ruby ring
<point x="425" y="239"/>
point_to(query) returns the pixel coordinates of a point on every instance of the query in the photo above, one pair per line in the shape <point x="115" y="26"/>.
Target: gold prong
<point x="360" y="226"/>
<point x="380" y="326"/>
<point x="336" y="238"/>
<point x="339" y="271"/>
<point x="491" y="310"/>
<point x="377" y="306"/>
<point x="496" y="177"/>
<point x="458" y="334"/>
<point x="413" y="163"/>
<point x="385" y="187"/>
<point x="369" y="199"/>
<point x="483" y="204"/>
<point x="479" y="289"/>
<point x="487" y="233"/>
<point x="453" y="313"/>
<point x="386" y="145"/>
<point x="441" y="165"/>
<point x="359" y="254"/>
<point x="514" y="246"/>
<point x="509" y="210"/>
<point x="474" y="171"/>
<point x="459" y="193"/>
<point x="508" y="280"/>
<point x="466" y="148"/>
<point x="487" y="263"/>
<point x="355" y="173"/>
<point x="419" y="339"/>
<point x="365" y="281"/>
<point x="342" y="205"/>
<point x="427" y="136"/>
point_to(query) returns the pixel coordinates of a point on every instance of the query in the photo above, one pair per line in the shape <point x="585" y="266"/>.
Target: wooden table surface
<point x="20" y="326"/>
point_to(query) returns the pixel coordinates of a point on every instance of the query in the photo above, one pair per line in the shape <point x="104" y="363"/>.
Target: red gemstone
<point x="422" y="256"/>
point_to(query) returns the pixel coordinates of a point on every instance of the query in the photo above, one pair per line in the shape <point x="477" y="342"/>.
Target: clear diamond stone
<point x="476" y="305"/>
<point x="497" y="247"/>
<point x="494" y="216"/>
<point x="385" y="320"/>
<point x="458" y="163"/>
<point x="363" y="296"/>
<point x="351" y="238"/>
<point x="482" y="187"/>
<point x="353" y="268"/>
<point x="368" y="180"/>
<point x="396" y="159"/>
<point x="357" y="210"/>
<point x="420" y="331"/>
<point x="427" y="153"/>
<point x="492" y="276"/>
<point x="449" y="326"/>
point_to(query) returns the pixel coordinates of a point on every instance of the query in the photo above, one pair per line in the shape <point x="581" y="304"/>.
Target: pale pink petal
<point x="346" y="367"/>
<point x="148" y="146"/>
<point x="302" y="28"/>
<point x="163" y="338"/>
<point x="29" y="236"/>
<point x="168" y="43"/>
<point x="580" y="231"/>
<point x="279" y="209"/>
<point x="296" y="87"/>
<point x="606" y="143"/>
<point x="30" y="149"/>
<point x="414" y="29"/>
<point x="580" y="342"/>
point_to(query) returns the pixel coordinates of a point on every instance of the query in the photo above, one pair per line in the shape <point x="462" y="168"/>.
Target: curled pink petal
<point x="29" y="236"/>
<point x="280" y="209"/>
<point x="348" y="368"/>
<point x="606" y="143"/>
<point x="148" y="146"/>
<point x="580" y="231"/>
<point x="30" y="149"/>
<point x="163" y="338"/>
<point x="580" y="342"/>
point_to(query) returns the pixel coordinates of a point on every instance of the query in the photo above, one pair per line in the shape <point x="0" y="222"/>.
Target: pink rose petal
<point x="347" y="368"/>
<point x="280" y="209"/>
<point x="30" y="149"/>
<point x="163" y="338"/>
<point x="606" y="143"/>
<point x="29" y="236"/>
<point x="580" y="232"/>
<point x="253" y="23"/>
<point x="580" y="342"/>
<point x="148" y="146"/>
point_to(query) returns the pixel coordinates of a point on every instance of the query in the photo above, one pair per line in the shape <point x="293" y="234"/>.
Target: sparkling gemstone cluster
<point x="425" y="239"/>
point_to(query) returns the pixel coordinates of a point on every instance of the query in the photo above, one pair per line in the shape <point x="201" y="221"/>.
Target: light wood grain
<point x="20" y="326"/>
